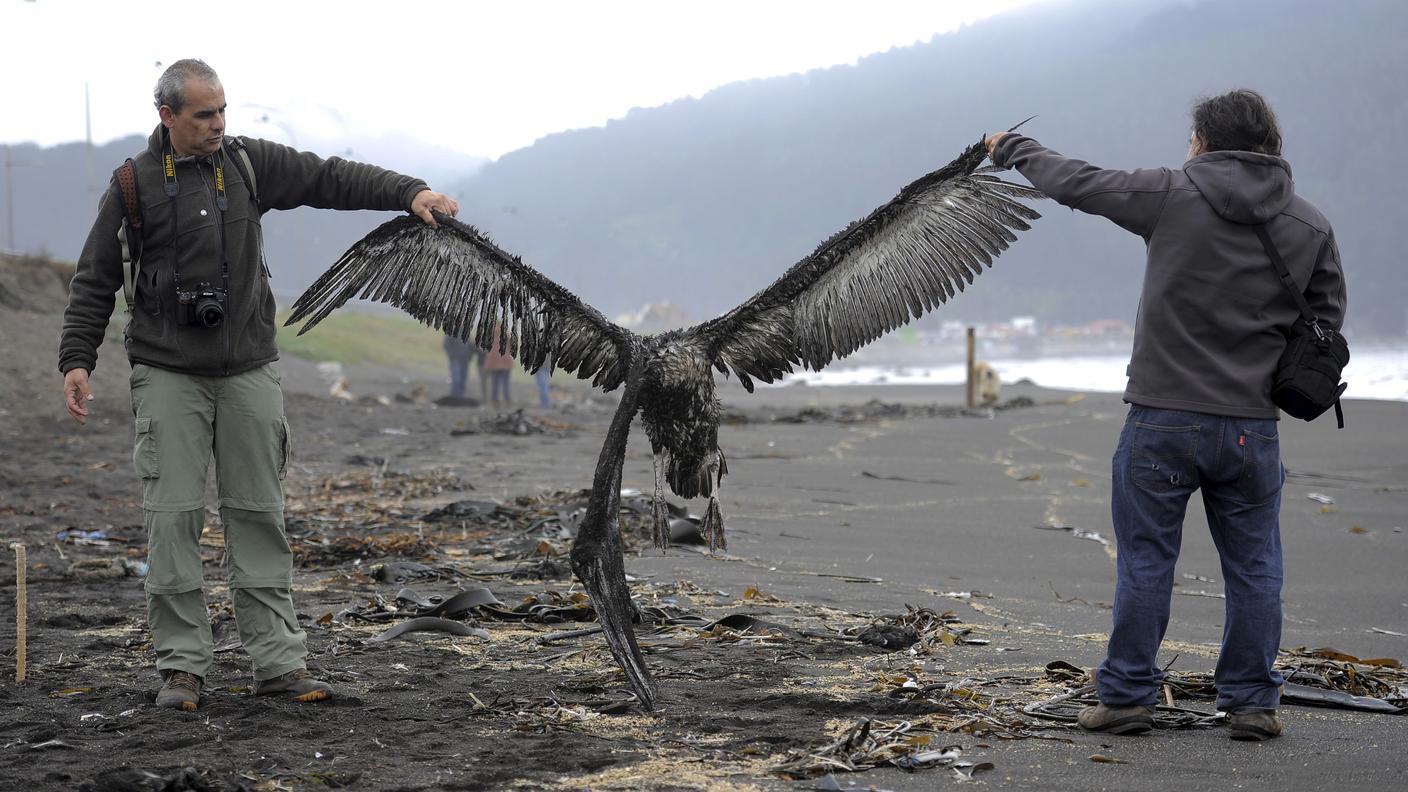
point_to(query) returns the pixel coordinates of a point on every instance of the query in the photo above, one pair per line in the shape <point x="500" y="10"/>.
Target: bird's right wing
<point x="454" y="279"/>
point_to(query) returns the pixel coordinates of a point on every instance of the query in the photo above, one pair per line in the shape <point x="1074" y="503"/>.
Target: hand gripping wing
<point x="456" y="280"/>
<point x="904" y="259"/>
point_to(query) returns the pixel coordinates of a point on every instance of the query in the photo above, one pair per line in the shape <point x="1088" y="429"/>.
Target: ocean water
<point x="1375" y="372"/>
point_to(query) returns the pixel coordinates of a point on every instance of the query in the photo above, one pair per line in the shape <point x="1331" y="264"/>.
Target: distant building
<point x="655" y="318"/>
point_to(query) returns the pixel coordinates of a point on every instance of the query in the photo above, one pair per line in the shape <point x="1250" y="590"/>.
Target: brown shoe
<point x="298" y="684"/>
<point x="180" y="690"/>
<point x="1254" y="725"/>
<point x="1116" y="720"/>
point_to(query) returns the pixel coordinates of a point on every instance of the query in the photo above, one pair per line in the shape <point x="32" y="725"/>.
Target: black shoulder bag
<point x="1307" y="379"/>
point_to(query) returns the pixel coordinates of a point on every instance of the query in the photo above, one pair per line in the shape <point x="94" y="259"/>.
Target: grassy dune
<point x="354" y="338"/>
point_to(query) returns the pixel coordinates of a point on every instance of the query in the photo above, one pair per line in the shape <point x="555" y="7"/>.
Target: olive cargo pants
<point x="181" y="420"/>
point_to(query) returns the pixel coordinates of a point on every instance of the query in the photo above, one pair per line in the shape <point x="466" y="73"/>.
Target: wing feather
<point x="905" y="259"/>
<point x="455" y="280"/>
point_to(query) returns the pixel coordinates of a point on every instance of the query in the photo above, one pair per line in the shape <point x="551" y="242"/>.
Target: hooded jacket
<point x="1213" y="315"/>
<point x="188" y="235"/>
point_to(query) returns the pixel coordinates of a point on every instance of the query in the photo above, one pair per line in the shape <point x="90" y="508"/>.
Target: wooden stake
<point x="970" y="393"/>
<point x="20" y="564"/>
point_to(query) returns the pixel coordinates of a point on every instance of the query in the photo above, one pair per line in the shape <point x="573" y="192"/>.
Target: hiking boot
<point x="1253" y="725"/>
<point x="1116" y="720"/>
<point x="180" y="690"/>
<point x="298" y="684"/>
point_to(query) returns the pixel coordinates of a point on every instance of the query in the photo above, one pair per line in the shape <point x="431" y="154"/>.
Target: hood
<point x="1242" y="186"/>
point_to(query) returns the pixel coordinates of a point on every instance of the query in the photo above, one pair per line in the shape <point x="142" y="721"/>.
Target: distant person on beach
<point x="1212" y="324"/>
<point x="542" y="377"/>
<point x="200" y="338"/>
<point x="498" y="365"/>
<point x="460" y="353"/>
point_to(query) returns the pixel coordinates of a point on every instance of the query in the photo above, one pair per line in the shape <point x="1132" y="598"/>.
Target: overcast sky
<point x="481" y="78"/>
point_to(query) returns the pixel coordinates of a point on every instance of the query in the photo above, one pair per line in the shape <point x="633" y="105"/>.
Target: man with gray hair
<point x="200" y="338"/>
<point x="1212" y="324"/>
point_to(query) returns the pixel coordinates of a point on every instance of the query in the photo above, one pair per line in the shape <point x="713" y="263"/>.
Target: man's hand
<point x="427" y="200"/>
<point x="993" y="140"/>
<point x="76" y="394"/>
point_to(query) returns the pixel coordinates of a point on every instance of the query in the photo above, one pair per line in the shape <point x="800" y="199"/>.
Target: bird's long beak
<point x="600" y="567"/>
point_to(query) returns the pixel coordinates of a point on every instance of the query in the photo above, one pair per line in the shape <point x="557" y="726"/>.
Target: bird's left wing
<point x="456" y="280"/>
<point x="904" y="259"/>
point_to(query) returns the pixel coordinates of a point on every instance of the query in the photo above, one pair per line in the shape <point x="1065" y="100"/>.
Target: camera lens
<point x="209" y="313"/>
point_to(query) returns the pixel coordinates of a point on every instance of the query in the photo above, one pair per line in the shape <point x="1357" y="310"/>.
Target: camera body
<point x="203" y="306"/>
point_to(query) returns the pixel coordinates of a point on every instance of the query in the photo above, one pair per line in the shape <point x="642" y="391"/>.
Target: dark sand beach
<point x="840" y="513"/>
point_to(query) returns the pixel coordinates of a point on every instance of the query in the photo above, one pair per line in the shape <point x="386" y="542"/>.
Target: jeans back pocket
<point x="1162" y="458"/>
<point x="1262" y="474"/>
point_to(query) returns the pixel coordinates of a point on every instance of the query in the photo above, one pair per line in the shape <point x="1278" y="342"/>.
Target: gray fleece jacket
<point x="1212" y="314"/>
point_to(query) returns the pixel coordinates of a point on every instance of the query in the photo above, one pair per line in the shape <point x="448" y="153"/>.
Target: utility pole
<point x="9" y="203"/>
<point x="88" y="151"/>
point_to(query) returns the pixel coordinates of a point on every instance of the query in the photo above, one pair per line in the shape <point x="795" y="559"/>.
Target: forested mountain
<point x="703" y="201"/>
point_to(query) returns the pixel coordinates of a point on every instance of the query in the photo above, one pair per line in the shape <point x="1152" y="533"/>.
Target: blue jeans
<point x="459" y="376"/>
<point x="1162" y="457"/>
<point x="544" y="397"/>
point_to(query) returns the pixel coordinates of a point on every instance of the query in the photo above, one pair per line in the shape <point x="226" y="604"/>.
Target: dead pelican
<point x="902" y="260"/>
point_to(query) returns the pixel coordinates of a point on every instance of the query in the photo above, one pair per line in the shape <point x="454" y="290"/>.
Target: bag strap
<point x="129" y="234"/>
<point x="246" y="168"/>
<point x="1286" y="280"/>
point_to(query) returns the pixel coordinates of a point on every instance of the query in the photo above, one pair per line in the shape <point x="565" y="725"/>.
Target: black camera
<point x="203" y="306"/>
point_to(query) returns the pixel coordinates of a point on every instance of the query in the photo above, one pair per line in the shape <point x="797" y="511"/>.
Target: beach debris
<point x="867" y="744"/>
<point x="889" y="636"/>
<point x="877" y="476"/>
<point x="1382" y="631"/>
<point x="21" y="608"/>
<point x="50" y="745"/>
<point x="456" y="606"/>
<point x="1066" y="707"/>
<point x="1320" y="497"/>
<point x="429" y="624"/>
<point x="135" y="779"/>
<point x="1200" y="593"/>
<point x="873" y="410"/>
<point x="1103" y="759"/>
<point x="463" y="508"/>
<point x="1314" y="677"/>
<point x="516" y="423"/>
<point x="931" y="632"/>
<point x="94" y="538"/>
<point x="1077" y="532"/>
<point x="964" y="770"/>
<point x="960" y="595"/>
<point x="1295" y="693"/>
<point x="406" y="571"/>
<point x="96" y="569"/>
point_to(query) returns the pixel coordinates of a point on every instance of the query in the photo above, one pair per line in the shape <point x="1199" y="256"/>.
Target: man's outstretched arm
<point x="1132" y="199"/>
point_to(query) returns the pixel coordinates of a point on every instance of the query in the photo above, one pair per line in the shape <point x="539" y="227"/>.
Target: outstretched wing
<point x="906" y="258"/>
<point x="454" y="279"/>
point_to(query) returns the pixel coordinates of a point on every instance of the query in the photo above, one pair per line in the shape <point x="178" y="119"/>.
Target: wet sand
<point x="944" y="513"/>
